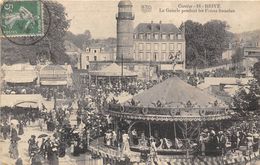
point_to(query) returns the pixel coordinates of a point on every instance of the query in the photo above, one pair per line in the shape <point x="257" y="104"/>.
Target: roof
<point x="20" y="76"/>
<point x="156" y="27"/>
<point x="19" y="67"/>
<point x="125" y="3"/>
<point x="19" y="73"/>
<point x="53" y="67"/>
<point x="112" y="70"/>
<point x="175" y="92"/>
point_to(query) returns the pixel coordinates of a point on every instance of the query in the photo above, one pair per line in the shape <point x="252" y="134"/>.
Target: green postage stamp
<point x="22" y="18"/>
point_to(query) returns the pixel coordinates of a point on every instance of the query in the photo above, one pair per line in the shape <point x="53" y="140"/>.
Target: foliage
<point x="80" y="39"/>
<point x="51" y="46"/>
<point x="205" y="43"/>
<point x="256" y="72"/>
<point x="238" y="55"/>
<point x="245" y="99"/>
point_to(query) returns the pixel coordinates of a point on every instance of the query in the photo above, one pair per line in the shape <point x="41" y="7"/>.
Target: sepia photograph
<point x="129" y="82"/>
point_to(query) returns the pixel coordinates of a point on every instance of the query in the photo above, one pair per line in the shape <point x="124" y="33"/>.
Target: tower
<point x="125" y="29"/>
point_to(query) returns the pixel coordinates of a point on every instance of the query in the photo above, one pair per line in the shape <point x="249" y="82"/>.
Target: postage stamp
<point x="22" y="18"/>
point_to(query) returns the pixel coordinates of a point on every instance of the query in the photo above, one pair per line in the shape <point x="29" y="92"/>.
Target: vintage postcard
<point x="129" y="82"/>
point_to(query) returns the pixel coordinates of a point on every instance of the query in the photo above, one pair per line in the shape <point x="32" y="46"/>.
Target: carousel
<point x="165" y="124"/>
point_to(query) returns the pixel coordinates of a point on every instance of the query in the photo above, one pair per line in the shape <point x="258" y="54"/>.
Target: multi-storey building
<point x="148" y="42"/>
<point x="158" y="42"/>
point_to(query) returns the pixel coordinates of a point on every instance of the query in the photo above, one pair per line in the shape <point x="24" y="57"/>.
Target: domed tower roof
<point x="123" y="3"/>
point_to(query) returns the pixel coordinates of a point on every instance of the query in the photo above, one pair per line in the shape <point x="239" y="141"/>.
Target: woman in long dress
<point x="13" y="150"/>
<point x="126" y="147"/>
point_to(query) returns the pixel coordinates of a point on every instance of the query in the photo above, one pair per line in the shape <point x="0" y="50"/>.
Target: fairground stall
<point x="112" y="73"/>
<point x="170" y="123"/>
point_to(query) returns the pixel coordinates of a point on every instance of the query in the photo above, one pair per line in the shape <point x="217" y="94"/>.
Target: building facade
<point x="251" y="56"/>
<point x="159" y="42"/>
<point x="148" y="42"/>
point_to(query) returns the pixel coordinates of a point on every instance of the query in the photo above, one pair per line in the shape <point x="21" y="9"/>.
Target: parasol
<point x="42" y="135"/>
<point x="256" y="135"/>
<point x="16" y="139"/>
<point x="14" y="121"/>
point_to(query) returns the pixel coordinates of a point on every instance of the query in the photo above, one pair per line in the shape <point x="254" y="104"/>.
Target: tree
<point x="238" y="55"/>
<point x="215" y="40"/>
<point x="51" y="45"/>
<point x="205" y="43"/>
<point x="80" y="40"/>
<point x="245" y="99"/>
<point x="256" y="72"/>
<point x="194" y="42"/>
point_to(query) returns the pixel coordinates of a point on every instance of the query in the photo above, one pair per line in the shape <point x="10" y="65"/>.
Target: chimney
<point x="160" y="24"/>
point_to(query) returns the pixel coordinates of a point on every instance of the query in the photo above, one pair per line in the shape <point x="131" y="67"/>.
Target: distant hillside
<point x="84" y="40"/>
<point x="249" y="38"/>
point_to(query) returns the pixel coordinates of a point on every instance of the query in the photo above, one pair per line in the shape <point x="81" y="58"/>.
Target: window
<point x="141" y="56"/>
<point x="95" y="58"/>
<point x="148" y="36"/>
<point x="171" y="47"/>
<point x="164" y="47"/>
<point x="163" y="56"/>
<point x="164" y="36"/>
<point x="141" y="36"/>
<point x="179" y="47"/>
<point x="171" y="36"/>
<point x="156" y="36"/>
<point x="95" y="51"/>
<point x="141" y="46"/>
<point x="87" y="66"/>
<point x="179" y="36"/>
<point x="155" y="56"/>
<point x="148" y="46"/>
<point x="148" y="56"/>
<point x="156" y="47"/>
<point x="87" y="58"/>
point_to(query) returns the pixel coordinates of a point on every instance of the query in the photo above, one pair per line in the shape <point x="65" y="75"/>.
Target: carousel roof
<point x="174" y="92"/>
<point x="113" y="70"/>
<point x="178" y="101"/>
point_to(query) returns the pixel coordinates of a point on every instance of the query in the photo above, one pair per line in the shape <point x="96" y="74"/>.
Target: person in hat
<point x="222" y="142"/>
<point x="32" y="143"/>
<point x="233" y="140"/>
<point x="14" y="133"/>
<point x="126" y="147"/>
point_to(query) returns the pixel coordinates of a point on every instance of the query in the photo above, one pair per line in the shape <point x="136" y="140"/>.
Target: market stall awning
<point x="20" y="76"/>
<point x="53" y="82"/>
<point x="113" y="70"/>
<point x="21" y="100"/>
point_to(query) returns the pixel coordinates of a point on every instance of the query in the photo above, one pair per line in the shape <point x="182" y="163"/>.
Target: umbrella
<point x="14" y="121"/>
<point x="42" y="135"/>
<point x="255" y="135"/>
<point x="16" y="138"/>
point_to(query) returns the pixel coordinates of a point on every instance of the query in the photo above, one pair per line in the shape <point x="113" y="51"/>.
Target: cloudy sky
<point x="99" y="16"/>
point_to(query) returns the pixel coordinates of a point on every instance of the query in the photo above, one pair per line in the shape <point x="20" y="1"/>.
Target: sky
<point x="99" y="16"/>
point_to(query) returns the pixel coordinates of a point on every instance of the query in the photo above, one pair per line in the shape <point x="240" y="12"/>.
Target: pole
<point x="174" y="124"/>
<point x="122" y="70"/>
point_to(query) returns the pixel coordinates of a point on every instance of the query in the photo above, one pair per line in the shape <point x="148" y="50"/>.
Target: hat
<point x="220" y="132"/>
